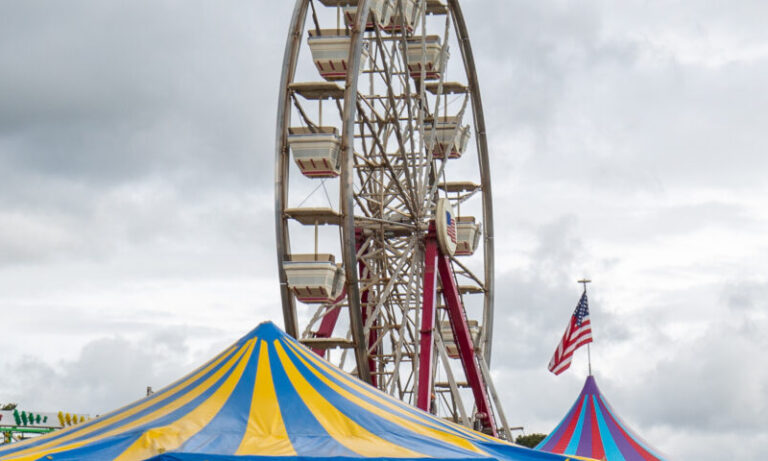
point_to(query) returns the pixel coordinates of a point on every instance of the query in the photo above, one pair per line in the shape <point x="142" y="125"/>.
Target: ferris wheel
<point x="384" y="218"/>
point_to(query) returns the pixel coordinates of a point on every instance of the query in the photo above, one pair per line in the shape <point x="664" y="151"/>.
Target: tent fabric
<point x="266" y="398"/>
<point x="592" y="428"/>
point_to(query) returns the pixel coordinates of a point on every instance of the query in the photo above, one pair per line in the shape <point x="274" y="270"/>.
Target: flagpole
<point x="584" y="282"/>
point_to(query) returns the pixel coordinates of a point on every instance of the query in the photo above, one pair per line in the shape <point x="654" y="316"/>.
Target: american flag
<point x="577" y="333"/>
<point x="451" y="223"/>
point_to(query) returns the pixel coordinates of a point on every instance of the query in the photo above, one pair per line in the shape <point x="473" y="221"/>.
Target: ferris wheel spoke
<point x="407" y="199"/>
<point x="468" y="272"/>
<point x="392" y="112"/>
<point x="427" y="195"/>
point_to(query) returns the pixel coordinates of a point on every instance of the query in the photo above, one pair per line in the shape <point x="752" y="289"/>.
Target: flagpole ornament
<point x="578" y="333"/>
<point x="446" y="226"/>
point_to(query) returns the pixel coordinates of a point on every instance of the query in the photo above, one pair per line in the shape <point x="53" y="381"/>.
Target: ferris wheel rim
<point x="485" y="173"/>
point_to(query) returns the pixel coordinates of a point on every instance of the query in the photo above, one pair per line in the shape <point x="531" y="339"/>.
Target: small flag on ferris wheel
<point x="451" y="223"/>
<point x="577" y="333"/>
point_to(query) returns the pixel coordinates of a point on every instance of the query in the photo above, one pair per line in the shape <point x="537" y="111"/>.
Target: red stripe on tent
<point x="631" y="439"/>
<point x="562" y="444"/>
<point x="597" y="442"/>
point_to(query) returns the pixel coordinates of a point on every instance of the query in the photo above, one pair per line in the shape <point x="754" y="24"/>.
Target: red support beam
<point x="364" y="297"/>
<point x="329" y="321"/>
<point x="463" y="338"/>
<point x="373" y="333"/>
<point x="327" y="325"/>
<point x="427" y="342"/>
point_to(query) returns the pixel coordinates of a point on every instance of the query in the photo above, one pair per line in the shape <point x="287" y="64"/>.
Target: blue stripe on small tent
<point x="120" y="422"/>
<point x="378" y="425"/>
<point x="299" y="420"/>
<point x="574" y="443"/>
<point x="224" y="433"/>
<point x="543" y="444"/>
<point x="609" y="445"/>
<point x="626" y="429"/>
<point x="410" y="413"/>
<point x="517" y="453"/>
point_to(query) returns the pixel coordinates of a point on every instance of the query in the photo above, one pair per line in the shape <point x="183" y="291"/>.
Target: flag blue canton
<point x="582" y="310"/>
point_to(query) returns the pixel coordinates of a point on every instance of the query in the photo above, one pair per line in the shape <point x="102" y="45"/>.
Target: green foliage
<point x="7" y="406"/>
<point x="530" y="440"/>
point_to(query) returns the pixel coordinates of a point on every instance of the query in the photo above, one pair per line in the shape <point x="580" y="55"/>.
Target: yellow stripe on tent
<point x="77" y="432"/>
<point x="265" y="434"/>
<point x="426" y="430"/>
<point x="36" y="452"/>
<point x="428" y="420"/>
<point x="346" y="431"/>
<point x="166" y="438"/>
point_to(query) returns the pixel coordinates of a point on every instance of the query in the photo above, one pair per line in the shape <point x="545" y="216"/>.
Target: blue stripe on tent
<point x="609" y="445"/>
<point x="492" y="446"/>
<point x="574" y="442"/>
<point x="552" y="435"/>
<point x="298" y="420"/>
<point x="408" y="412"/>
<point x="225" y="431"/>
<point x="626" y="429"/>
<point x="123" y="441"/>
<point x="108" y="448"/>
<point x="120" y="422"/>
<point x="378" y="425"/>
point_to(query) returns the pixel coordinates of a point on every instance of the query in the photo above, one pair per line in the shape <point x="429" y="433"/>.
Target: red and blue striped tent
<point x="591" y="428"/>
<point x="267" y="398"/>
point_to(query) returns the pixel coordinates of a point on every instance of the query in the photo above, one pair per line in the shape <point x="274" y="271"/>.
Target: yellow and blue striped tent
<point x="267" y="398"/>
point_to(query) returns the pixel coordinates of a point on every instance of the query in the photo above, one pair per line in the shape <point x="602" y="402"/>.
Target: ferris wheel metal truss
<point x="387" y="140"/>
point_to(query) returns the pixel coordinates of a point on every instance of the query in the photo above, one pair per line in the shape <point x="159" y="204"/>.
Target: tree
<point x="7" y="406"/>
<point x="530" y="440"/>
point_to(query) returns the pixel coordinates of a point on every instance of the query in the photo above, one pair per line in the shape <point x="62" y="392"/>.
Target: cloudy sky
<point x="627" y="143"/>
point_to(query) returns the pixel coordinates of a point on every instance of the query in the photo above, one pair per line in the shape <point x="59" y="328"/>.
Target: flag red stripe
<point x="575" y="336"/>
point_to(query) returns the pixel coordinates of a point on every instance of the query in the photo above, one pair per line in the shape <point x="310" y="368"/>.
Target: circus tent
<point x="591" y="428"/>
<point x="267" y="397"/>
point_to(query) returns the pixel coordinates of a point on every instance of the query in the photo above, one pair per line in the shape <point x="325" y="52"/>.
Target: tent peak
<point x="266" y="331"/>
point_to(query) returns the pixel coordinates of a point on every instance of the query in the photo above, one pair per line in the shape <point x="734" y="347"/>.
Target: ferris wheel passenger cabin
<point x="446" y="332"/>
<point x="330" y="52"/>
<point x="467" y="235"/>
<point x="381" y="13"/>
<point x="397" y="20"/>
<point x="316" y="150"/>
<point x="450" y="137"/>
<point x="314" y="278"/>
<point x="426" y="53"/>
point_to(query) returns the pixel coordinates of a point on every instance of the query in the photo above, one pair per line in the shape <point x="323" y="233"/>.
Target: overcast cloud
<point x="627" y="142"/>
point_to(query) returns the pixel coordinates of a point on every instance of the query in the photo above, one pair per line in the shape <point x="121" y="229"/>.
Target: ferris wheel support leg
<point x="365" y="307"/>
<point x="326" y="327"/>
<point x="427" y="341"/>
<point x="458" y="319"/>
